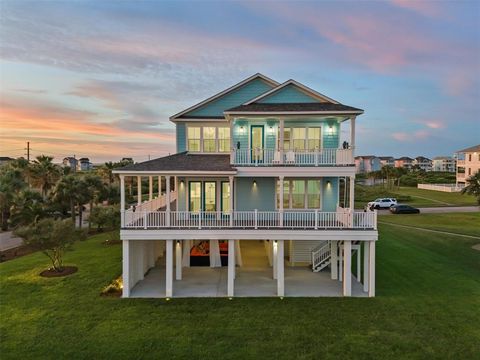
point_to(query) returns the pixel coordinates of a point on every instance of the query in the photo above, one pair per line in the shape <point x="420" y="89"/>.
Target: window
<point x="209" y="139"/>
<point x="210" y="195"/>
<point x="313" y="194"/>
<point x="298" y="138"/>
<point x="193" y="136"/>
<point x="298" y="194"/>
<point x="314" y="139"/>
<point x="195" y="196"/>
<point x="286" y="139"/>
<point x="226" y="197"/>
<point x="469" y="157"/>
<point x="223" y="139"/>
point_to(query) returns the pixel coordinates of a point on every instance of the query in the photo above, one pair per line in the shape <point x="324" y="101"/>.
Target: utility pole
<point x="74" y="164"/>
<point x="28" y="151"/>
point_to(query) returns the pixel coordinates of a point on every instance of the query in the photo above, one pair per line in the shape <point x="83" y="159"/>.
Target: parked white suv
<point x="382" y="203"/>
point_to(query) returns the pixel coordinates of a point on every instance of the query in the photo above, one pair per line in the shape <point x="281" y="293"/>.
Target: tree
<point x="94" y="188"/>
<point x="106" y="172"/>
<point x="473" y="187"/>
<point x="28" y="207"/>
<point x="12" y="181"/>
<point x="52" y="237"/>
<point x="66" y="192"/>
<point x="44" y="173"/>
<point x="105" y="217"/>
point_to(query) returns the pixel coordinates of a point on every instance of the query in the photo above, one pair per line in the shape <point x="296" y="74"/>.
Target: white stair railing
<point x="321" y="256"/>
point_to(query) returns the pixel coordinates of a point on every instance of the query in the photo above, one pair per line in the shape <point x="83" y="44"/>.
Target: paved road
<point x="8" y="241"/>
<point x="439" y="210"/>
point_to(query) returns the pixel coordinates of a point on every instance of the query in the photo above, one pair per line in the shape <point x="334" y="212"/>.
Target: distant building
<point x="70" y="161"/>
<point x="366" y="164"/>
<point x="423" y="163"/>
<point x="404" y="162"/>
<point x="5" y="159"/>
<point x="444" y="164"/>
<point x="387" y="160"/>
<point x="84" y="164"/>
<point x="128" y="159"/>
<point x="468" y="163"/>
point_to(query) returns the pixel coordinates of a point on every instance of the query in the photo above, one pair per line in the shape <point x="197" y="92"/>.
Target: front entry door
<point x="256" y="141"/>
<point x="210" y="196"/>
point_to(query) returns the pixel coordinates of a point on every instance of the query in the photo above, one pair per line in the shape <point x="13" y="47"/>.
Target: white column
<point x="187" y="246"/>
<point x="238" y="253"/>
<point x="280" y="138"/>
<point x="371" y="269"/>
<point x="366" y="255"/>
<point x="280" y="200"/>
<point x="347" y="268"/>
<point x="122" y="200"/>
<point x="230" y="179"/>
<point x="139" y="190"/>
<point x="280" y="269"/>
<point x="352" y="132"/>
<point x="274" y="257"/>
<point x="126" y="268"/>
<point x="169" y="269"/>
<point x="231" y="268"/>
<point x="352" y="193"/>
<point x="150" y="188"/>
<point x="334" y="260"/>
<point x="178" y="260"/>
<point x="340" y="262"/>
<point x="167" y="198"/>
<point x="359" y="263"/>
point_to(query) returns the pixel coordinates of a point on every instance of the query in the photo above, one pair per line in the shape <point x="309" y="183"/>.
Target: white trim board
<point x="295" y="171"/>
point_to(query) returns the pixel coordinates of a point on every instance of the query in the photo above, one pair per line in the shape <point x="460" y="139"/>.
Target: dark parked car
<point x="404" y="209"/>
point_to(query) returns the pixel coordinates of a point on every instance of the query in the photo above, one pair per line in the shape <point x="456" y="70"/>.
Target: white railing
<point x="137" y="212"/>
<point x="271" y="157"/>
<point x="320" y="254"/>
<point x="307" y="220"/>
<point x="442" y="187"/>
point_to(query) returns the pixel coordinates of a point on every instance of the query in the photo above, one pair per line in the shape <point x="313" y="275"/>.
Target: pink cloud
<point x="426" y="8"/>
<point x="401" y="136"/>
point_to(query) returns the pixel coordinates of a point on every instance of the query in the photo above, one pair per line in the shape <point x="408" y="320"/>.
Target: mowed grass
<point x="459" y="223"/>
<point x="427" y="307"/>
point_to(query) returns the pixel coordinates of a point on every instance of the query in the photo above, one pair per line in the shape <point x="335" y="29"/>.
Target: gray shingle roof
<point x="184" y="162"/>
<point x="470" y="149"/>
<point x="292" y="107"/>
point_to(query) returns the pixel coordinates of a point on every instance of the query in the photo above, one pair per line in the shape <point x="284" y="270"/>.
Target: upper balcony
<point x="273" y="157"/>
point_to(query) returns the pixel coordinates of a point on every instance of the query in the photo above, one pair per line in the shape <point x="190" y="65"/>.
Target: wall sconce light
<point x="271" y="130"/>
<point x="329" y="183"/>
<point x="330" y="129"/>
<point x="254" y="182"/>
<point x="242" y="129"/>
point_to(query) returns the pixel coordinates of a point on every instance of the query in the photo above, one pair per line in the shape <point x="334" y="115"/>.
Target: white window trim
<point x="217" y="143"/>
<point x="290" y="197"/>
<point x="320" y="126"/>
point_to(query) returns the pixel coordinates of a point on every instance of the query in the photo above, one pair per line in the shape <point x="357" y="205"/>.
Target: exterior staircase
<point x="321" y="256"/>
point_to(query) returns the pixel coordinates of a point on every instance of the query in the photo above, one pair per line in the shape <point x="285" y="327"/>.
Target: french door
<point x="256" y="142"/>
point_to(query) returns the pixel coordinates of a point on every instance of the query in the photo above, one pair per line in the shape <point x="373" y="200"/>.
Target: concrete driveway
<point x="9" y="241"/>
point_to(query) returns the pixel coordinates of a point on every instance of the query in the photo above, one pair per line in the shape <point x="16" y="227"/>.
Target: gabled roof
<point x="470" y="149"/>
<point x="386" y="157"/>
<point x="302" y="87"/>
<point x="294" y="108"/>
<point x="269" y="81"/>
<point x="405" y="158"/>
<point x="183" y="162"/>
<point x="422" y="158"/>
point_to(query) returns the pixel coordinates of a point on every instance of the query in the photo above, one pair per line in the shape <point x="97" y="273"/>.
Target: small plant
<point x="114" y="288"/>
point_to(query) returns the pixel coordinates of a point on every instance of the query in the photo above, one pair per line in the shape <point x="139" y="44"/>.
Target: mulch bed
<point x="14" y="253"/>
<point x="67" y="270"/>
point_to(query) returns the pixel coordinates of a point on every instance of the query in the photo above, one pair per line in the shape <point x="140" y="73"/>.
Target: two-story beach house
<point x="468" y="163"/>
<point x="257" y="201"/>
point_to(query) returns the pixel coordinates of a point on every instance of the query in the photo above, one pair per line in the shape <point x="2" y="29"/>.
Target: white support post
<point x="167" y="198"/>
<point x="178" y="260"/>
<point x="366" y="276"/>
<point x="280" y="269"/>
<point x="281" y="138"/>
<point x="126" y="268"/>
<point x="352" y="132"/>
<point x="231" y="268"/>
<point x="139" y="190"/>
<point x="334" y="259"/>
<point x="352" y="193"/>
<point x="274" y="258"/>
<point x="359" y="263"/>
<point x="371" y="269"/>
<point x="122" y="200"/>
<point x="347" y="268"/>
<point x="150" y="188"/>
<point x="280" y="200"/>
<point x="340" y="262"/>
<point x="169" y="269"/>
<point x="230" y="179"/>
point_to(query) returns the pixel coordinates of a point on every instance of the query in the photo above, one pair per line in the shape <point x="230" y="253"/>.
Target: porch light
<point x="242" y="130"/>
<point x="330" y="129"/>
<point x="271" y="129"/>
<point x="329" y="183"/>
<point x="254" y="182"/>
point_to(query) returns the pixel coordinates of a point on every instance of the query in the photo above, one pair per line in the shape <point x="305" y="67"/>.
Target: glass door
<point x="225" y="198"/>
<point x="210" y="196"/>
<point x="195" y="196"/>
<point x="256" y="141"/>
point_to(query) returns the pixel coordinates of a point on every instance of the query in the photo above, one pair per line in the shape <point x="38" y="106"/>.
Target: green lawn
<point x="461" y="223"/>
<point x="427" y="307"/>
<point x="417" y="197"/>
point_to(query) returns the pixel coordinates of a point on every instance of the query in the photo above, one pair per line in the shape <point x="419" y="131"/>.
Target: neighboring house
<point x="255" y="187"/>
<point x="404" y="162"/>
<point x="468" y="163"/>
<point x="84" y="164"/>
<point x="387" y="161"/>
<point x="70" y="162"/>
<point x="366" y="164"/>
<point x="5" y="160"/>
<point x="444" y="164"/>
<point x="423" y="163"/>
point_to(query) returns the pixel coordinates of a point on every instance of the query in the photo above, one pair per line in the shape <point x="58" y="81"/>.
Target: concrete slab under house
<point x="257" y="201"/>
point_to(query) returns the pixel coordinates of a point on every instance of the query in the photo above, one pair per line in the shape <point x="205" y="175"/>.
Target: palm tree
<point x="106" y="172"/>
<point x="44" y="173"/>
<point x="28" y="207"/>
<point x="94" y="187"/>
<point x="66" y="191"/>
<point x="12" y="181"/>
<point x="473" y="187"/>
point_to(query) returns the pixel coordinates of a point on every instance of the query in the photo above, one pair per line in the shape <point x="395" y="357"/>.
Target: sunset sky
<point x="99" y="79"/>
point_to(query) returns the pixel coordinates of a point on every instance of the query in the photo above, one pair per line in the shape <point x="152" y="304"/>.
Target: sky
<point x="100" y="79"/>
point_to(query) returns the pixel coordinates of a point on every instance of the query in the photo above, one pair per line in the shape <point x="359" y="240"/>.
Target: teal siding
<point x="250" y="197"/>
<point x="243" y="136"/>
<point x="288" y="94"/>
<point x="237" y="97"/>
<point x="329" y="194"/>
<point x="331" y="140"/>
<point x="181" y="137"/>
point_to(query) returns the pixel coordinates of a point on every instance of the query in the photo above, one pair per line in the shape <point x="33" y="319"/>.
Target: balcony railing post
<point x="316" y="219"/>
<point x="145" y="217"/>
<point x="199" y="219"/>
<point x="256" y="218"/>
<point x="231" y="219"/>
